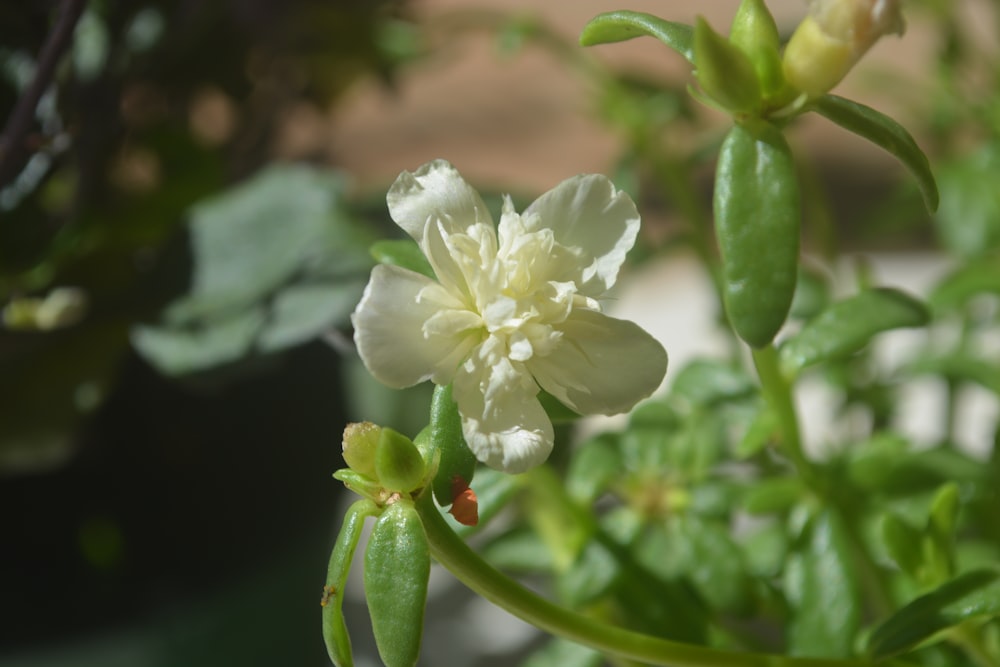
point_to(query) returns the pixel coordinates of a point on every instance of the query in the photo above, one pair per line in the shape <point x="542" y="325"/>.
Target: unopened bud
<point x="360" y="443"/>
<point x="834" y="36"/>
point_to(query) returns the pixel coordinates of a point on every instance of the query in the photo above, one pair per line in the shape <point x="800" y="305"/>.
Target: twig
<point x="11" y="141"/>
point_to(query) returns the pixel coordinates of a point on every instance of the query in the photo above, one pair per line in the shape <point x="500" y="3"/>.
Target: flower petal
<point x="502" y="420"/>
<point x="588" y="213"/>
<point x="601" y="365"/>
<point x="389" y="329"/>
<point x="435" y="192"/>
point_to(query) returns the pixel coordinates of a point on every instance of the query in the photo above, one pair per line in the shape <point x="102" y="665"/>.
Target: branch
<point x="12" y="140"/>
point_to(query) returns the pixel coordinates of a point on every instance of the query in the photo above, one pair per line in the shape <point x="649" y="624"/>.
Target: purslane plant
<point x="505" y="319"/>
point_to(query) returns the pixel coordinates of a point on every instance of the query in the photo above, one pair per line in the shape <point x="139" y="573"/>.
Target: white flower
<point x="513" y="309"/>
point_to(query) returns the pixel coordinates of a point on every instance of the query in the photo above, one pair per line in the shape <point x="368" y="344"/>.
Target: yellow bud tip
<point x="834" y="36"/>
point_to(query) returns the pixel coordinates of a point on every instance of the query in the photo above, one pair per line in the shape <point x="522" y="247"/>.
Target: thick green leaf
<point x="623" y="25"/>
<point x="970" y="595"/>
<point x="404" y="253"/>
<point x="885" y="132"/>
<point x="397" y="568"/>
<point x="825" y="593"/>
<point x="847" y="326"/>
<point x="338" y="642"/>
<point x="757" y="216"/>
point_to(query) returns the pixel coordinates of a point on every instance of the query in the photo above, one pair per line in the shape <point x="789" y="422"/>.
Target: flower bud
<point x="833" y="37"/>
<point x="360" y="443"/>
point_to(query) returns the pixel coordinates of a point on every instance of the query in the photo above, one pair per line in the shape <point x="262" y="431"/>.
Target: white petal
<point x="601" y="365"/>
<point x="502" y="420"/>
<point x="389" y="329"/>
<point x="587" y="212"/>
<point x="435" y="192"/>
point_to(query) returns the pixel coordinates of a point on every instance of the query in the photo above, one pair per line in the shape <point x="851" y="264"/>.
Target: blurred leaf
<point x="591" y="577"/>
<point x="564" y="653"/>
<point x="969" y="280"/>
<point x="969" y="595"/>
<point x="904" y="544"/>
<point x="962" y="366"/>
<point x="595" y="465"/>
<point x="277" y="262"/>
<point x="706" y="382"/>
<point x="882" y="131"/>
<point x="762" y="429"/>
<point x="773" y="494"/>
<point x="812" y="294"/>
<point x="404" y="253"/>
<point x="969" y="220"/>
<point x="847" y="326"/>
<point x="519" y="550"/>
<point x="825" y="593"/>
<point x="623" y="25"/>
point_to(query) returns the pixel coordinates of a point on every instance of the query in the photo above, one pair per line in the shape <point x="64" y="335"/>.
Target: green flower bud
<point x="834" y="36"/>
<point x="398" y="463"/>
<point x="360" y="443"/>
<point x="724" y="71"/>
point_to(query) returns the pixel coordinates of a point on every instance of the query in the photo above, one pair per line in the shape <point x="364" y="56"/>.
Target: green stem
<point x="481" y="577"/>
<point x="778" y="393"/>
<point x="967" y="638"/>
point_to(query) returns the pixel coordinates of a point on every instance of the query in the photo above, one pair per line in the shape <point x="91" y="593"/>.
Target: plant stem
<point x="481" y="577"/>
<point x="778" y="393"/>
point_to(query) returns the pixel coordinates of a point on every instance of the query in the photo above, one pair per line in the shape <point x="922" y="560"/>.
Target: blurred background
<point x="187" y="193"/>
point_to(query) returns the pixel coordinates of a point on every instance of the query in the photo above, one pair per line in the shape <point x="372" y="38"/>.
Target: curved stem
<point x="451" y="552"/>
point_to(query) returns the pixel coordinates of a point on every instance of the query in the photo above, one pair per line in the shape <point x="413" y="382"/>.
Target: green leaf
<point x="882" y="131"/>
<point x="757" y="216"/>
<point x="904" y="544"/>
<point x="623" y="25"/>
<point x="773" y="494"/>
<point x="724" y="72"/>
<point x="564" y="653"/>
<point x="397" y="568"/>
<point x="763" y="428"/>
<point x="590" y="577"/>
<point x="969" y="595"/>
<point x="594" y="467"/>
<point x="707" y="382"/>
<point x="962" y="366"/>
<point x="404" y="253"/>
<point x="847" y="326"/>
<point x="826" y="596"/>
<point x="968" y="221"/>
<point x="967" y="282"/>
<point x="277" y="261"/>
<point x="338" y="642"/>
